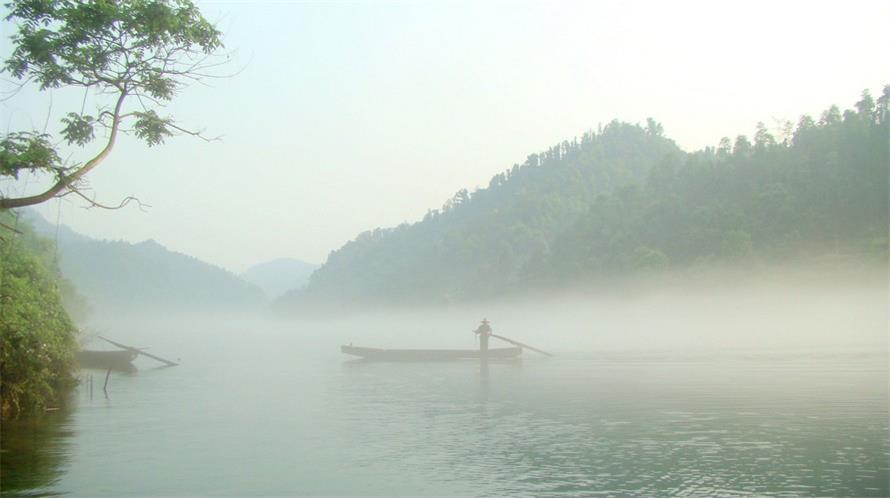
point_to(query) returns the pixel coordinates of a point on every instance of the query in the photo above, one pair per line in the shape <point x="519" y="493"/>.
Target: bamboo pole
<point x="140" y="352"/>
<point x="523" y="345"/>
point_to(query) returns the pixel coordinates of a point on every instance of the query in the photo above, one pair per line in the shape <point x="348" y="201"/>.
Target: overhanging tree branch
<point x="67" y="180"/>
<point x="128" y="48"/>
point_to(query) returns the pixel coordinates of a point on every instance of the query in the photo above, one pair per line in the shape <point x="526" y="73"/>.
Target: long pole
<point x="140" y="352"/>
<point x="523" y="345"/>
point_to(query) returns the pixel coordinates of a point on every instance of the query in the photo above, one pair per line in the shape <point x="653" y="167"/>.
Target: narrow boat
<point x="427" y="355"/>
<point x="107" y="359"/>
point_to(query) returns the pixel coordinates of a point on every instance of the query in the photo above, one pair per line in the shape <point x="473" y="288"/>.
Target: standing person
<point x="484" y="331"/>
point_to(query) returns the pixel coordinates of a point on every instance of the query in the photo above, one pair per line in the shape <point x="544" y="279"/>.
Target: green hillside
<point x="119" y="274"/>
<point x="822" y="188"/>
<point x="626" y="199"/>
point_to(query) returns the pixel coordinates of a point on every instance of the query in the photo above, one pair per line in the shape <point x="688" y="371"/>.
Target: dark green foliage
<point x="824" y="189"/>
<point x="61" y="42"/>
<point x="26" y="151"/>
<point x="151" y="128"/>
<point x="78" y="129"/>
<point x="626" y="199"/>
<point x="37" y="337"/>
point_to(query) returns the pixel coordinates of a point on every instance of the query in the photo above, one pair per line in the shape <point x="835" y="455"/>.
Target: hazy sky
<point x="346" y="116"/>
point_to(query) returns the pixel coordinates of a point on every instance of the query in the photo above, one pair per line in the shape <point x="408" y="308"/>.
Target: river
<point x="272" y="408"/>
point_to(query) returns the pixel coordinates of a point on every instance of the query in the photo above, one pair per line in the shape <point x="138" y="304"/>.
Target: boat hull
<point x="427" y="355"/>
<point x="110" y="359"/>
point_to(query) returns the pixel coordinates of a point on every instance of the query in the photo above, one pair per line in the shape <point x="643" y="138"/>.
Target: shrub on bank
<point x="37" y="337"/>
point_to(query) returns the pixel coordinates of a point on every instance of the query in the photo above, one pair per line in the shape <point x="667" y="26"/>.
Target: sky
<point x="340" y="117"/>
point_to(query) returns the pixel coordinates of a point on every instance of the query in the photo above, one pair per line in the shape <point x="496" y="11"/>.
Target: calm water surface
<point x="275" y="410"/>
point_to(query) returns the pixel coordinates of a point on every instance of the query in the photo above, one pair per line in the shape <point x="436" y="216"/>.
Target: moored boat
<point x="427" y="355"/>
<point x="107" y="359"/>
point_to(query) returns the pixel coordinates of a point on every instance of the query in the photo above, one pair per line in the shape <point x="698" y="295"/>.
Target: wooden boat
<point x="427" y="355"/>
<point x="107" y="359"/>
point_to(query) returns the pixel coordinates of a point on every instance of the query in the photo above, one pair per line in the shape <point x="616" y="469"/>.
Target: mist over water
<point x="727" y="311"/>
<point x="759" y="387"/>
<point x="707" y="259"/>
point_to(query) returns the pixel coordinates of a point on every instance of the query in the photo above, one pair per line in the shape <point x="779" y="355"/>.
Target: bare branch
<point x="18" y="86"/>
<point x="13" y="229"/>
<point x="193" y="133"/>
<point x="95" y="204"/>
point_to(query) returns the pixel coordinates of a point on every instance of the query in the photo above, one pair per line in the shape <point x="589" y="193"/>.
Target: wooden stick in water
<point x="523" y="345"/>
<point x="140" y="352"/>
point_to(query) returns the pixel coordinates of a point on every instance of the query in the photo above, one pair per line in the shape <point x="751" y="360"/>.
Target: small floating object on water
<point x="483" y="352"/>
<point x="118" y="360"/>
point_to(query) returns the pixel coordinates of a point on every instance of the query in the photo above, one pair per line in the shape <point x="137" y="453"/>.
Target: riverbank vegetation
<point x="37" y="335"/>
<point x="129" y="58"/>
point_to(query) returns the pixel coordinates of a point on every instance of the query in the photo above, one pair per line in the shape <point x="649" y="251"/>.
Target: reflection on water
<point x="583" y="427"/>
<point x="283" y="416"/>
<point x="33" y="455"/>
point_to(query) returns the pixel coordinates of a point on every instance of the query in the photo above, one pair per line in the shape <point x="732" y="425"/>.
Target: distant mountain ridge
<point x="143" y="275"/>
<point x="279" y="276"/>
<point x="626" y="199"/>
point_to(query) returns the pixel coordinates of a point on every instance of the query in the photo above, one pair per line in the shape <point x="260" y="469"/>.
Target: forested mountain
<point x="279" y="276"/>
<point x="143" y="275"/>
<point x="626" y="198"/>
<point x="821" y="188"/>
